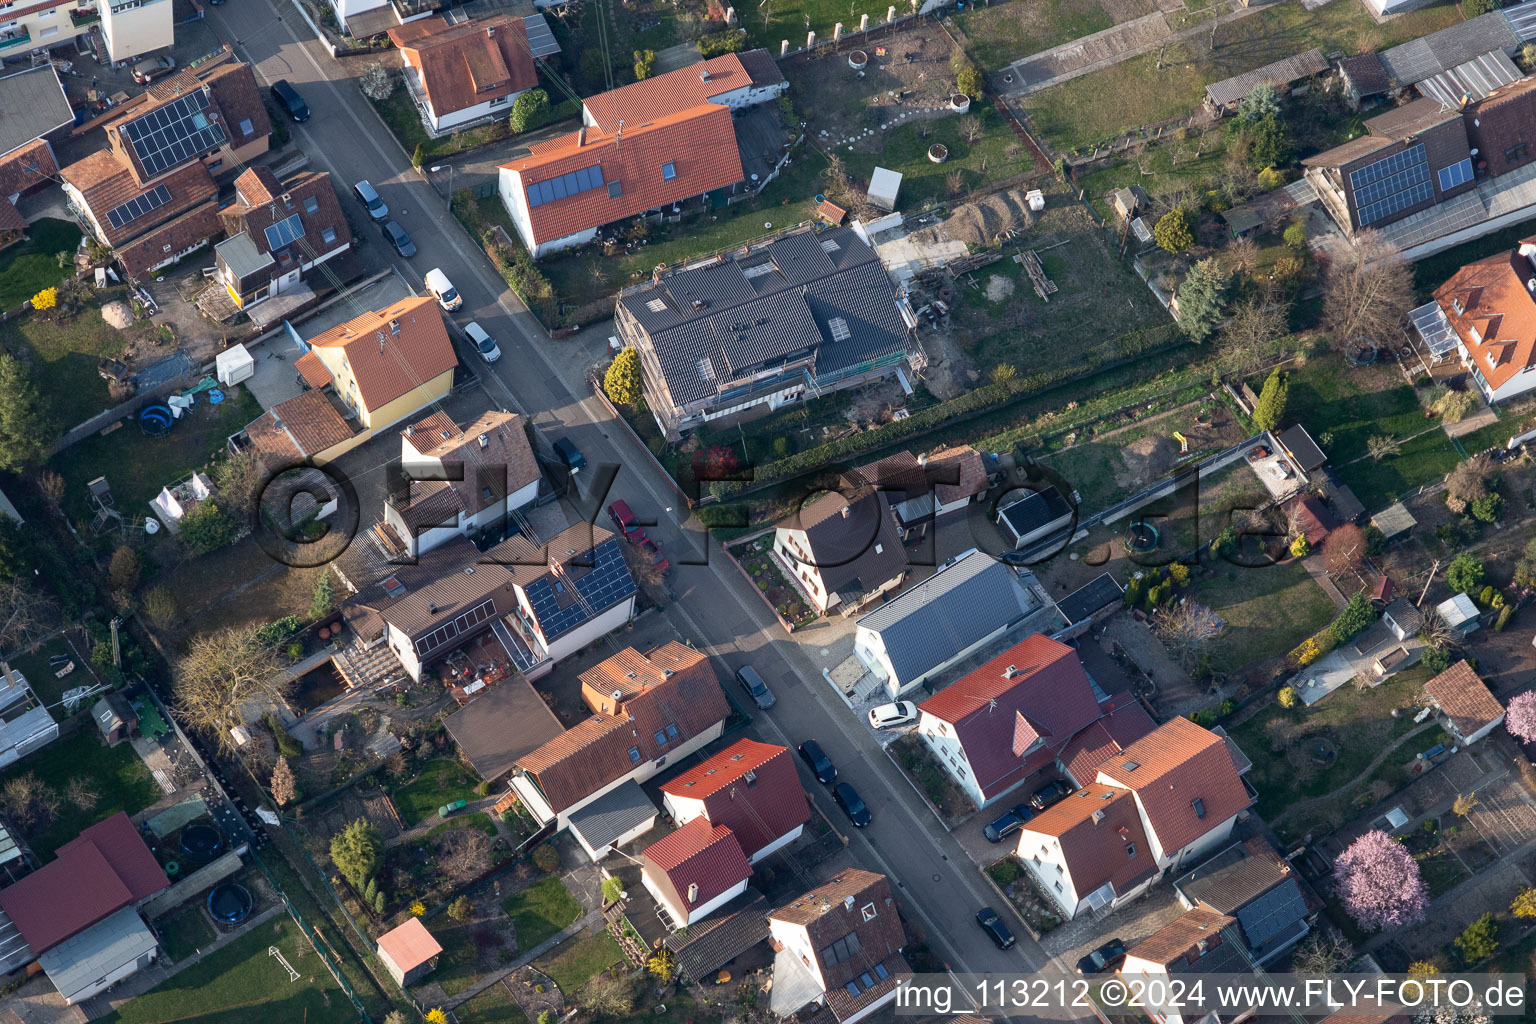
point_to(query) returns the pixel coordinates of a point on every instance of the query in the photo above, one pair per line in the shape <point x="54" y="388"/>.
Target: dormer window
<point x="1476" y="335"/>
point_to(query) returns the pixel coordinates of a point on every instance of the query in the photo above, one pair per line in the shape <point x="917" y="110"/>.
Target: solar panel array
<point x="138" y="206"/>
<point x="574" y="183"/>
<point x="175" y="133"/>
<point x="601" y="587"/>
<point x="285" y="232"/>
<point x="1391" y="184"/>
<point x="1456" y="174"/>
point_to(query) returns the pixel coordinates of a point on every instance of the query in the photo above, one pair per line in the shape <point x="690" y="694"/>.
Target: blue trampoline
<point x="229" y="902"/>
<point x="156" y="420"/>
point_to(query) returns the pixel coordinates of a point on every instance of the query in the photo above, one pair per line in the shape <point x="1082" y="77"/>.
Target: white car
<point x="896" y="713"/>
<point x="483" y="342"/>
<point x="443" y="290"/>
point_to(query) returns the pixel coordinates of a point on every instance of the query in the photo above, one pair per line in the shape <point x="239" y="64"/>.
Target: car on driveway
<point x="371" y="200"/>
<point x="146" y="71"/>
<point x="895" y="713"/>
<point x="852" y="804"/>
<point x="289" y="99"/>
<point x="570" y="455"/>
<point x="1052" y="792"/>
<point x="483" y="342"/>
<point x="756" y="689"/>
<point x="1102" y="959"/>
<point x="995" y="927"/>
<point x="1009" y="823"/>
<point x="818" y="762"/>
<point x="625" y="522"/>
<point x="395" y="235"/>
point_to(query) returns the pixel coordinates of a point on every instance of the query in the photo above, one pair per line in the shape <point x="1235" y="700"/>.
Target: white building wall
<point x="1484" y="731"/>
<point x="939" y="735"/>
<point x="589" y="631"/>
<point x="684" y="916"/>
<point x="1042" y="856"/>
<point x="795" y="939"/>
<point x="347" y="8"/>
<point x="778" y="844"/>
<point x="109" y="979"/>
<point x="446" y="122"/>
<point x="134" y="28"/>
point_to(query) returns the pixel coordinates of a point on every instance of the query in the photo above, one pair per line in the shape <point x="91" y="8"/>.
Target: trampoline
<point x="200" y="842"/>
<point x="1141" y="537"/>
<point x="156" y="420"/>
<point x="229" y="902"/>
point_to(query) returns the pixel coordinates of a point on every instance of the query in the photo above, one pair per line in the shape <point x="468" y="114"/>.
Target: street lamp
<point x="449" y="168"/>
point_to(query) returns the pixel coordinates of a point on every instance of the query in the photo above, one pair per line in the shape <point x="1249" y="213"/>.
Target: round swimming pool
<point x="229" y="902"/>
<point x="201" y="841"/>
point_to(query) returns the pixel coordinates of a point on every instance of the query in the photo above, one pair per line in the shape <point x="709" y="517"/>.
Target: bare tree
<point x="1344" y="550"/>
<point x="970" y="128"/>
<point x="1366" y="292"/>
<point x="283" y="783"/>
<point x="954" y="181"/>
<point x="608" y="996"/>
<point x="1467" y="482"/>
<point x="226" y="678"/>
<point x="52" y="485"/>
<point x="24" y="614"/>
<point x="1186" y="628"/>
<point x="1242" y="255"/>
<point x="28" y="801"/>
<point x="470" y="853"/>
<point x="1322" y="952"/>
<point x="1380" y="446"/>
<point x="1253" y="325"/>
<point x="1439" y="634"/>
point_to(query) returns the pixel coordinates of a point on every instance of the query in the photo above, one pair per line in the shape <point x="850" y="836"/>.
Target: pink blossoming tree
<point x="1378" y="881"/>
<point x="1520" y="719"/>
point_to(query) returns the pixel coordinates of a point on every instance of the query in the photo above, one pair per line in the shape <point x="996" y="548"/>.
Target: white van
<point x="443" y="291"/>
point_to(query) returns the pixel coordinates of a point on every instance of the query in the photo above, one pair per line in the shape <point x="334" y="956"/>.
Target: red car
<point x="626" y="523"/>
<point x="653" y="550"/>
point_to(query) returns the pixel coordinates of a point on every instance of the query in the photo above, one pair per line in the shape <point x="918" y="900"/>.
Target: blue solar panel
<point x="1456" y="174"/>
<point x="138" y="206"/>
<point x="1422" y="192"/>
<point x="1383" y="187"/>
<point x="605" y="584"/>
<point x="285" y="232"/>
<point x="1363" y="176"/>
<point x="170" y="135"/>
<point x="569" y="184"/>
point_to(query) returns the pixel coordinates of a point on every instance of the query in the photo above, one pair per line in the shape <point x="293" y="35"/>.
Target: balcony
<point x="408" y="9"/>
<point x="14" y="39"/>
<point x="84" y="16"/>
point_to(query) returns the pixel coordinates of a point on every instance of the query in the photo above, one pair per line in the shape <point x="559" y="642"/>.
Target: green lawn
<point x="787" y="19"/>
<point x="459" y="966"/>
<point x="119" y="778"/>
<point x="1002" y="33"/>
<point x="541" y="911"/>
<point x="493" y="1006"/>
<point x="1441" y="873"/>
<point x="137" y="466"/>
<point x="1327" y="396"/>
<point x="1097" y="107"/>
<point x="1169" y="165"/>
<point x="183" y="932"/>
<point x="63" y="357"/>
<point x="243" y="984"/>
<point x="441" y="782"/>
<point x="479" y="820"/>
<point x="32" y="265"/>
<point x="1423" y="459"/>
<point x="576" y="960"/>
<point x="924" y="181"/>
<point x="1268" y="611"/>
<point x="34" y="665"/>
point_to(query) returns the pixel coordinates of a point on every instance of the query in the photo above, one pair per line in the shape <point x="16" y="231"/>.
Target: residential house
<point x="1468" y="707"/>
<point x="26" y="724"/>
<point x="1251" y="883"/>
<point x="1200" y="941"/>
<point x="1223" y="97"/>
<point x="838" y="946"/>
<point x="750" y="787"/>
<point x="935" y="624"/>
<point x="50" y="24"/>
<point x="923" y="489"/>
<point x="313" y="426"/>
<point x="37" y="111"/>
<point x="147" y="226"/>
<point x="845" y="554"/>
<point x="694" y="871"/>
<point x="1486" y="312"/>
<point x="729" y="932"/>
<point x="663" y="142"/>
<point x="1160" y="802"/>
<point x="132" y="29"/>
<point x="462" y="73"/>
<point x="766" y="327"/>
<point x="1403" y="619"/>
<point x="647" y="710"/>
<point x="461" y="480"/>
<point x="1034" y="517"/>
<point x="278" y="232"/>
<point x="75" y="916"/>
<point x="409" y="952"/>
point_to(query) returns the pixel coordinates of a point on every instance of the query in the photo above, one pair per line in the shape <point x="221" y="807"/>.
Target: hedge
<point x="1353" y="620"/>
<point x="720" y="43"/>
<point x="984" y="399"/>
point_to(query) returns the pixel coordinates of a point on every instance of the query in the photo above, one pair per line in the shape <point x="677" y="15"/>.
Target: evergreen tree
<point x="1201" y="300"/>
<point x="1172" y="231"/>
<point x="26" y="434"/>
<point x="1271" y="405"/>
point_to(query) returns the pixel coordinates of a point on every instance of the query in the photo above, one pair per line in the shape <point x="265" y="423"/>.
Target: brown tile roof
<point x="312" y="370"/>
<point x="667" y="94"/>
<point x="595" y="752"/>
<point x="261" y="201"/>
<point x="196" y="225"/>
<point x="1410" y="119"/>
<point x="29" y="166"/>
<point x="233" y="99"/>
<point x="410" y="945"/>
<point x="1314" y="519"/>
<point x="872" y="988"/>
<point x="419" y="351"/>
<point x="299" y="428"/>
<point x="1499" y="123"/>
<point x="760" y="809"/>
<point x="1184" y="777"/>
<point x="855" y="902"/>
<point x="470" y="63"/>
<point x="502" y="466"/>
<point x="1180" y="940"/>
<point x="1014" y="713"/>
<point x="1124" y="724"/>
<point x="1230" y="880"/>
<point x="698" y="854"/>
<point x="629" y="672"/>
<point x="1495" y="300"/>
<point x="952" y="474"/>
<point x="10" y="217"/>
<point x="105" y="183"/>
<point x="1101" y="838"/>
<point x="1464" y="698"/>
<point x="700" y="142"/>
<point x="1367" y="73"/>
<point x="854" y="546"/>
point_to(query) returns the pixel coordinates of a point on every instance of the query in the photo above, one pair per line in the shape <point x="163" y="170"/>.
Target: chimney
<point x="409" y="431"/>
<point x="1010" y="671"/>
<point x="693" y="892"/>
<point x="1098" y="816"/>
<point x="394" y="327"/>
<point x="847" y="511"/>
<point x="490" y="31"/>
<point x="581" y="136"/>
<point x="484" y="441"/>
<point x="704" y="74"/>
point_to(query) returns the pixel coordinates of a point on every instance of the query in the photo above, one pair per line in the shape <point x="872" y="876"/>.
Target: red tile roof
<point x="702" y="854"/>
<point x="410" y="945"/>
<point x="501" y="466"/>
<point x="415" y="354"/>
<point x="302" y="426"/>
<point x="1173" y="768"/>
<point x="769" y="805"/>
<point x="196" y="225"/>
<point x="105" y="182"/>
<point x="10" y="217"/>
<point x="1495" y="299"/>
<point x="658" y="97"/>
<point x="1464" y="699"/>
<point x="470" y="63"/>
<point x="1185" y="939"/>
<point x="1046" y="697"/>
<point x="23" y="168"/>
<point x="312" y="370"/>
<point x="700" y="143"/>
<point x="1119" y="728"/>
<point x="1101" y="838"/>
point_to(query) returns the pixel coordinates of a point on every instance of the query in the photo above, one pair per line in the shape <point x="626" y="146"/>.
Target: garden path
<point x="592" y="920"/>
<point x="1375" y="763"/>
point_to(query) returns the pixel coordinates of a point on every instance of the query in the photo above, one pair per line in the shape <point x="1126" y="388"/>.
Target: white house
<point x="845" y="554"/>
<point x="134" y="29"/>
<point x="466" y="72"/>
<point x="694" y="871"/>
<point x="838" y="946"/>
<point x="1201" y="941"/>
<point x="1488" y="308"/>
<point x="750" y="787"/>
<point x="1469" y="708"/>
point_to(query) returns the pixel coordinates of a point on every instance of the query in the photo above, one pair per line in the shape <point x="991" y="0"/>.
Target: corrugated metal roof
<point x="1474" y="80"/>
<point x="77" y="964"/>
<point x="1418" y="59"/>
<point x="1281" y="72"/>
<point x="1522" y="19"/>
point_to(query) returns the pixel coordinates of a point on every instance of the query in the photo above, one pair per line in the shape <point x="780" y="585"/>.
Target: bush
<point x="460" y="909"/>
<point x="206" y="528"/>
<point x="1300" y="546"/>
<point x="612" y="887"/>
<point x="720" y="43"/>
<point x="1465" y="574"/>
<point x="1296" y="236"/>
<point x="1312" y="648"/>
<point x="1480" y="940"/>
<point x="645" y="64"/>
<point x="968" y="80"/>
<point x="529" y="111"/>
<point x="622" y="380"/>
<point x="1375" y="541"/>
<point x="1288" y="697"/>
<point x="1353" y="620"/>
<point x="1436" y="660"/>
<point x="546" y="859"/>
<point x="1489" y="508"/>
<point x="1005" y="871"/>
<point x="1172" y="231"/>
<point x="1505" y="614"/>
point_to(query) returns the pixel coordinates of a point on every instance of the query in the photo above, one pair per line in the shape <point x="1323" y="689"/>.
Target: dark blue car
<point x="1009" y="823"/>
<point x="852" y="804"/>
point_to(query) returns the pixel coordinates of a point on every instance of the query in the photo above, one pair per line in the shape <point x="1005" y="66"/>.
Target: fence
<point x="104" y="419"/>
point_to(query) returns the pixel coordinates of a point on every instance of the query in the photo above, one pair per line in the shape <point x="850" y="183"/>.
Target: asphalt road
<point x="543" y="379"/>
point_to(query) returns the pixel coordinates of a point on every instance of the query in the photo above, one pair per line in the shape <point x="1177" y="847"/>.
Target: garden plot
<point x="999" y="35"/>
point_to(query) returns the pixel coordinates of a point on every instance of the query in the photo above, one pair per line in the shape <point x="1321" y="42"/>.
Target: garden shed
<point x="234" y="365"/>
<point x="409" y="952"/>
<point x="884" y="185"/>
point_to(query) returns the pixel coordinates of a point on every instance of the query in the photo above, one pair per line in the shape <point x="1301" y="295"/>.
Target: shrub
<point x="1300" y="546"/>
<point x="1288" y="697"/>
<point x="1271" y="179"/>
<point x="206" y="528"/>
<point x="1375" y="541"/>
<point x="1179" y="573"/>
<point x="1466" y="573"/>
<point x="1296" y="236"/>
<point x="1480" y="940"/>
<point x="529" y="111"/>
<point x="1172" y="231"/>
<point x="968" y="80"/>
<point x="1489" y="508"/>
<point x="645" y="64"/>
<point x="545" y="858"/>
<point x="46" y="299"/>
<point x="622" y="381"/>
<point x="461" y="908"/>
<point x="612" y="888"/>
<point x="1312" y="648"/>
<point x="1005" y="871"/>
<point x="1505" y="614"/>
<point x="718" y="44"/>
<point x="1353" y="620"/>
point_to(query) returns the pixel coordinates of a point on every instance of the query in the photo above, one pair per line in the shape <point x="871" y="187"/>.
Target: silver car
<point x="484" y="343"/>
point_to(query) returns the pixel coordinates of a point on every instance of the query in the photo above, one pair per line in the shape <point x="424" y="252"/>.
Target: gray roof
<point x="774" y="304"/>
<point x="1097" y="593"/>
<point x="1474" y="80"/>
<point x="1418" y="59"/>
<point x="501" y="726"/>
<point x="1035" y="510"/>
<point x="242" y="256"/>
<point x="1522" y="18"/>
<point x="112" y="711"/>
<point x="949" y="611"/>
<point x="541" y="40"/>
<point x="32" y="104"/>
<point x="613" y="814"/>
<point x="79" y="961"/>
<point x="1407" y="617"/>
<point x="1366" y="74"/>
<point x="1274" y="918"/>
<point x="1393" y="520"/>
<point x="1301" y="447"/>
<point x="726" y="934"/>
<point x="1281" y="72"/>
<point x="853" y="553"/>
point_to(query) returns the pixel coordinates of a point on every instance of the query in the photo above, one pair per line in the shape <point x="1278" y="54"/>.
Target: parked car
<point x="146" y="71"/>
<point x="756" y="689"/>
<point x="443" y="290"/>
<point x="895" y="713"/>
<point x="1050" y="793"/>
<point x="995" y="927"/>
<point x="1103" y="958"/>
<point x="1008" y="824"/>
<point x="372" y="202"/>
<point x="652" y="550"/>
<point x="848" y="799"/>
<point x="289" y="99"/>
<point x="625" y="522"/>
<point x="818" y="762"/>
<point x="570" y="455"/>
<point x="395" y="235"/>
<point x="484" y="343"/>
